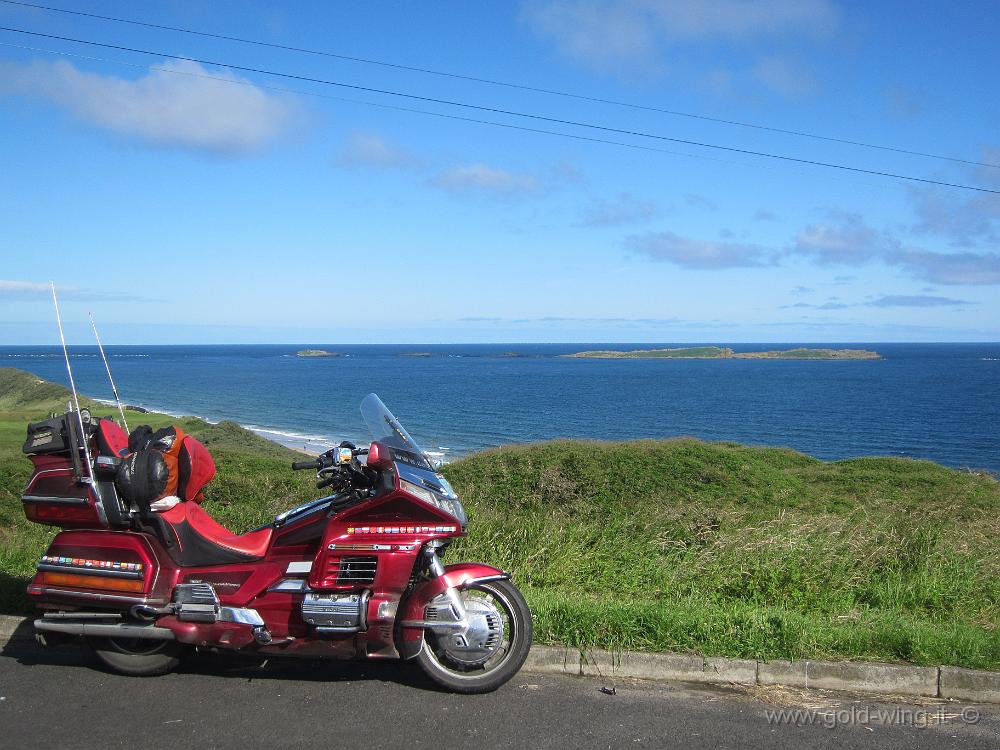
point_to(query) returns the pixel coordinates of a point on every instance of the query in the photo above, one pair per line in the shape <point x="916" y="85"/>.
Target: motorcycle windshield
<point x="387" y="430"/>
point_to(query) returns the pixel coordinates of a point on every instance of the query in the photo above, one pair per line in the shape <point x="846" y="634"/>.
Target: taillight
<point x="61" y="513"/>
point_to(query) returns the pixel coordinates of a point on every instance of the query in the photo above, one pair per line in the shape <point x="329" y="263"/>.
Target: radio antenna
<point x="107" y="368"/>
<point x="76" y="399"/>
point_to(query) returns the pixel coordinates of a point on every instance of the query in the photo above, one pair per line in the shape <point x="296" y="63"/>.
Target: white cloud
<point x="624" y="209"/>
<point x="198" y="108"/>
<point x="784" y="76"/>
<point x="961" y="220"/>
<point x="608" y="34"/>
<point x="485" y="179"/>
<point x="601" y="35"/>
<point x="916" y="300"/>
<point x="372" y="150"/>
<point x="742" y="18"/>
<point x="847" y="239"/>
<point x="950" y="268"/>
<point x="10" y="288"/>
<point x="698" y="254"/>
<point x="41" y="290"/>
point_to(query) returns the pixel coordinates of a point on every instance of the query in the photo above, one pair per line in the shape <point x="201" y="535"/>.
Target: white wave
<point x="286" y="434"/>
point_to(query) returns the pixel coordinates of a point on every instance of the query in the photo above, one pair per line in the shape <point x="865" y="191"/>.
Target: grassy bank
<point x="677" y="545"/>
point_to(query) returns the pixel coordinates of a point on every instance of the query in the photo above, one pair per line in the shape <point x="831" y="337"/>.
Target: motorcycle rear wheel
<point x="137" y="657"/>
<point x="495" y="671"/>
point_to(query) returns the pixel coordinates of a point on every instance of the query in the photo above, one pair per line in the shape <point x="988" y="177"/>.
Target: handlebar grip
<point x="312" y="464"/>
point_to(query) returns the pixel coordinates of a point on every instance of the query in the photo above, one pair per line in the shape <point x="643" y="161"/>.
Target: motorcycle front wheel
<point x="453" y="669"/>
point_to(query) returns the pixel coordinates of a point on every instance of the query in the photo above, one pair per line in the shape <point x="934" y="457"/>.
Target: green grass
<point x="682" y="545"/>
<point x="729" y="550"/>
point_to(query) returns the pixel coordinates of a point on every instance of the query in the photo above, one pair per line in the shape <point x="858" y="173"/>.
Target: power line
<point x="410" y="110"/>
<point x="506" y="84"/>
<point x="383" y="105"/>
<point x="512" y="113"/>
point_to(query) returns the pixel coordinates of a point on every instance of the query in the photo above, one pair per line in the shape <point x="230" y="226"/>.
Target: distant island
<point x="316" y="353"/>
<point x="416" y="354"/>
<point x="724" y="352"/>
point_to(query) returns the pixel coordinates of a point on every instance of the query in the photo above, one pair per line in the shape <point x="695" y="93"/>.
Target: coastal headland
<point x="724" y="352"/>
<point x="316" y="353"/>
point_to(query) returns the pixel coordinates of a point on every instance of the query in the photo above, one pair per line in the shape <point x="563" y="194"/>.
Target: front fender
<point x="457" y="576"/>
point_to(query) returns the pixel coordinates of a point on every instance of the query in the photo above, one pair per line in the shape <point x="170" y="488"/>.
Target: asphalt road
<point x="62" y="698"/>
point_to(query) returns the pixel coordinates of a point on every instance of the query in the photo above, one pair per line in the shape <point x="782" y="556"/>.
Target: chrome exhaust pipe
<point x="148" y="632"/>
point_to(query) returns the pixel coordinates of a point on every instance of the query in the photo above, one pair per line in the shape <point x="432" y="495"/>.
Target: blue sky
<point x="181" y="208"/>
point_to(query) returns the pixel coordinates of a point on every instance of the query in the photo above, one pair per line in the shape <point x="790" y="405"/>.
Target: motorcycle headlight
<point x="450" y="505"/>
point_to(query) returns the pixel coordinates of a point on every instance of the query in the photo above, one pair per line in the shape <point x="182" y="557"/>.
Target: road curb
<point x="15" y="629"/>
<point x="972" y="685"/>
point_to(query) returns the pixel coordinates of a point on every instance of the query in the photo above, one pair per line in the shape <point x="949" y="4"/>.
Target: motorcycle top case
<point x="48" y="436"/>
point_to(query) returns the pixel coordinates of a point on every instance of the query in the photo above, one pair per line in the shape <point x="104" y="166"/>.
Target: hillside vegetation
<point x="681" y="545"/>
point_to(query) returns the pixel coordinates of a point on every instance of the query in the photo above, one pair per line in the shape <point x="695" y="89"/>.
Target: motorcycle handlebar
<point x="313" y="464"/>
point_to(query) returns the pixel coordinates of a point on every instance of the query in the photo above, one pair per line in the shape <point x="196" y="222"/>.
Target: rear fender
<point x="457" y="576"/>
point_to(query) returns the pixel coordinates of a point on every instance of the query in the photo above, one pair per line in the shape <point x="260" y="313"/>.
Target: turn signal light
<point x="92" y="582"/>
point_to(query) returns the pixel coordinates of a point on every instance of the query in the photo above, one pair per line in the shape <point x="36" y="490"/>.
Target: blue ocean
<point x="933" y="401"/>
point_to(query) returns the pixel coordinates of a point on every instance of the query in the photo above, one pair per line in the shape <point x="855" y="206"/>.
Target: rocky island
<point x="724" y="352"/>
<point x="316" y="353"/>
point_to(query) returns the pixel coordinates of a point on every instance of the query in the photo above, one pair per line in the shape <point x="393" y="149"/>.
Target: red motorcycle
<point x="141" y="572"/>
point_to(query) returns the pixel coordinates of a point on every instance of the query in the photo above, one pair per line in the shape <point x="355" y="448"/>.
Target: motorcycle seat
<point x="201" y="540"/>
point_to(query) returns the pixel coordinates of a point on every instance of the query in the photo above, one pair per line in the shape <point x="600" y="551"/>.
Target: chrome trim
<point x="82" y="616"/>
<point x="55" y="499"/>
<point x="333" y="629"/>
<point x="435" y="624"/>
<point x="196" y="602"/>
<point x="241" y="615"/>
<point x="78" y="569"/>
<point x="102" y="514"/>
<point x="148" y="632"/>
<point x="353" y="569"/>
<point x="291" y="586"/>
<point x="93" y="596"/>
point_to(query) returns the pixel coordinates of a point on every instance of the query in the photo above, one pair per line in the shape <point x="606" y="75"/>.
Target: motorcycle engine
<point x="342" y="613"/>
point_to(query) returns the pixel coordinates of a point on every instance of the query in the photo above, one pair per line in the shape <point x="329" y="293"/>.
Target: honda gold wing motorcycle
<point x="142" y="572"/>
